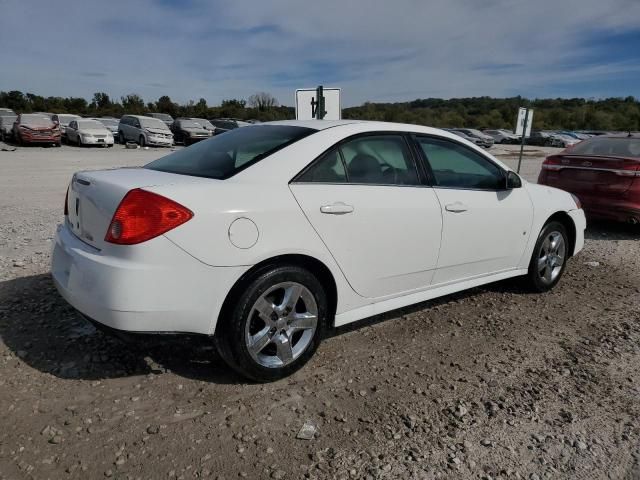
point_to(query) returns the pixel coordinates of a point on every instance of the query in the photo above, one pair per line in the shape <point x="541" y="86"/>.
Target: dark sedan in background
<point x="188" y="131"/>
<point x="603" y="172"/>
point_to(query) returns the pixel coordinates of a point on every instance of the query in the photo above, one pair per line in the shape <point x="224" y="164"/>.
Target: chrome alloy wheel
<point x="281" y="324"/>
<point x="552" y="257"/>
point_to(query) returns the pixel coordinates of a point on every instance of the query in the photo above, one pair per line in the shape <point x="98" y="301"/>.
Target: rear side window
<point x="373" y="160"/>
<point x="223" y="156"/>
<point x="456" y="166"/>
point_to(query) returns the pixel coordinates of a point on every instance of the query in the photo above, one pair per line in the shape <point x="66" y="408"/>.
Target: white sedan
<point x="268" y="235"/>
<point x="89" y="132"/>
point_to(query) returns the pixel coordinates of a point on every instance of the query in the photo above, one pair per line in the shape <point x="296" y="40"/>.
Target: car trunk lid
<point x="94" y="197"/>
<point x="593" y="175"/>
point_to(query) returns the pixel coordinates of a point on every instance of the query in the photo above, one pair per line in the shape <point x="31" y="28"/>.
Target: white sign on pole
<point x="305" y="97"/>
<point x="522" y="112"/>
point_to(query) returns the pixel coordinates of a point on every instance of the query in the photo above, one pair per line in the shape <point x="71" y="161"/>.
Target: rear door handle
<point x="337" y="208"/>
<point x="456" y="207"/>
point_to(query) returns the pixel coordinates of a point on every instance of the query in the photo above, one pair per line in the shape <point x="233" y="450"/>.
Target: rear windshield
<point x="617" y="147"/>
<point x="225" y="155"/>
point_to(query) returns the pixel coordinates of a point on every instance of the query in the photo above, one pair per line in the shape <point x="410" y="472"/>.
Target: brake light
<point x="551" y="163"/>
<point x="144" y="215"/>
<point x="66" y="203"/>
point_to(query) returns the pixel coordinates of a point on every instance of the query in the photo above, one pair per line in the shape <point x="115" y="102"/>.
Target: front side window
<point x="225" y="155"/>
<point x="456" y="166"/>
<point x="374" y="160"/>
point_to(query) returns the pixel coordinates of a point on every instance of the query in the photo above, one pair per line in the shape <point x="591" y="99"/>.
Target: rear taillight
<point x="144" y="215"/>
<point x="551" y="163"/>
<point x="66" y="203"/>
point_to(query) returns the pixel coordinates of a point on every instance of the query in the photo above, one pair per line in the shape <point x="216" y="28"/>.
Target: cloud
<point x="375" y="50"/>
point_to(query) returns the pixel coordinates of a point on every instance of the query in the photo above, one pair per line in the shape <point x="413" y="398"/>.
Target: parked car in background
<point x="469" y="138"/>
<point x="225" y="124"/>
<point x="111" y="124"/>
<point x="562" y="140"/>
<point x="6" y="125"/>
<point x="503" y="136"/>
<point x="35" y="128"/>
<point x="63" y="119"/>
<point x="206" y="124"/>
<point x="87" y="132"/>
<point x="144" y="131"/>
<point x="188" y="131"/>
<point x="7" y="111"/>
<point x="540" y="138"/>
<point x="485" y="140"/>
<point x="603" y="172"/>
<point x="267" y="236"/>
<point x="165" y="117"/>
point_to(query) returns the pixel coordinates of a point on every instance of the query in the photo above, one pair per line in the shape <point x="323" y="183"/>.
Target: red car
<point x="603" y="172"/>
<point x="36" y="128"/>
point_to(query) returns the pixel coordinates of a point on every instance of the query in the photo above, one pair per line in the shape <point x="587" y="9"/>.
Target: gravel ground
<point x="490" y="383"/>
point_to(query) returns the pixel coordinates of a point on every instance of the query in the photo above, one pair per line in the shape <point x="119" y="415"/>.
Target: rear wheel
<point x="549" y="257"/>
<point x="276" y="325"/>
<point x="122" y="139"/>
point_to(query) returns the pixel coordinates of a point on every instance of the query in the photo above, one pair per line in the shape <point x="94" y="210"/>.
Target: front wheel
<point x="276" y="324"/>
<point x="142" y="141"/>
<point x="549" y="257"/>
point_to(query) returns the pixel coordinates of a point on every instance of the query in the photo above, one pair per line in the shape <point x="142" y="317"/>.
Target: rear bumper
<point x="167" y="291"/>
<point x="616" y="210"/>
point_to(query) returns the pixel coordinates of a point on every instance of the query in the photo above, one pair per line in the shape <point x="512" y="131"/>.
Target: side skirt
<point x="413" y="298"/>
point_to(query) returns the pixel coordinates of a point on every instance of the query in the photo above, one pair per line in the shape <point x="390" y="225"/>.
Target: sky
<point x="374" y="50"/>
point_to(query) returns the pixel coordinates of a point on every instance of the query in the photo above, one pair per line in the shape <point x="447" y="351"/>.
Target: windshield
<point x="163" y="116"/>
<point x="90" y="124"/>
<point x="65" y="119"/>
<point x="615" y="147"/>
<point x="225" y="155"/>
<point x="190" y="124"/>
<point x="108" y="122"/>
<point x="36" y="120"/>
<point x="205" y="123"/>
<point x="153" y="123"/>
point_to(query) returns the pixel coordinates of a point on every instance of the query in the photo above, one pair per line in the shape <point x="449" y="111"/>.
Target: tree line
<point x="478" y="112"/>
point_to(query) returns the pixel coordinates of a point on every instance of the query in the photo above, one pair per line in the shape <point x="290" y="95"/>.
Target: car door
<point x="367" y="201"/>
<point x="485" y="226"/>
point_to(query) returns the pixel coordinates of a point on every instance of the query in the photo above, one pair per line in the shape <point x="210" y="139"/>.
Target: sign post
<point x="523" y="128"/>
<point x="318" y="104"/>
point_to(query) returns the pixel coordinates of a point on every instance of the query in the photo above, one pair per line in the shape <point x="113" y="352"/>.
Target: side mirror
<point x="513" y="180"/>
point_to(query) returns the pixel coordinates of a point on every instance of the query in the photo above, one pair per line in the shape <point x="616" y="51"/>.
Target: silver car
<point x="144" y="131"/>
<point x="484" y="140"/>
<point x="85" y="132"/>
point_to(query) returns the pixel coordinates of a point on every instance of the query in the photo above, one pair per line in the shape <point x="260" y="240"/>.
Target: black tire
<point x="80" y="144"/>
<point x="123" y="140"/>
<point x="544" y="278"/>
<point x="141" y="141"/>
<point x="230" y="338"/>
<point x="185" y="141"/>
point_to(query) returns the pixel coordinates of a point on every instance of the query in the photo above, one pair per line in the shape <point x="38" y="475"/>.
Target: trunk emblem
<point x="586" y="164"/>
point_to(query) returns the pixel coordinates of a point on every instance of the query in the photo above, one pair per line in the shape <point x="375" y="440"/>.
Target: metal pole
<point x="524" y="133"/>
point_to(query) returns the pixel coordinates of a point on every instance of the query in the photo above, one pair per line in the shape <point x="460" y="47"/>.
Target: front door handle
<point x="337" y="208"/>
<point x="456" y="207"/>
